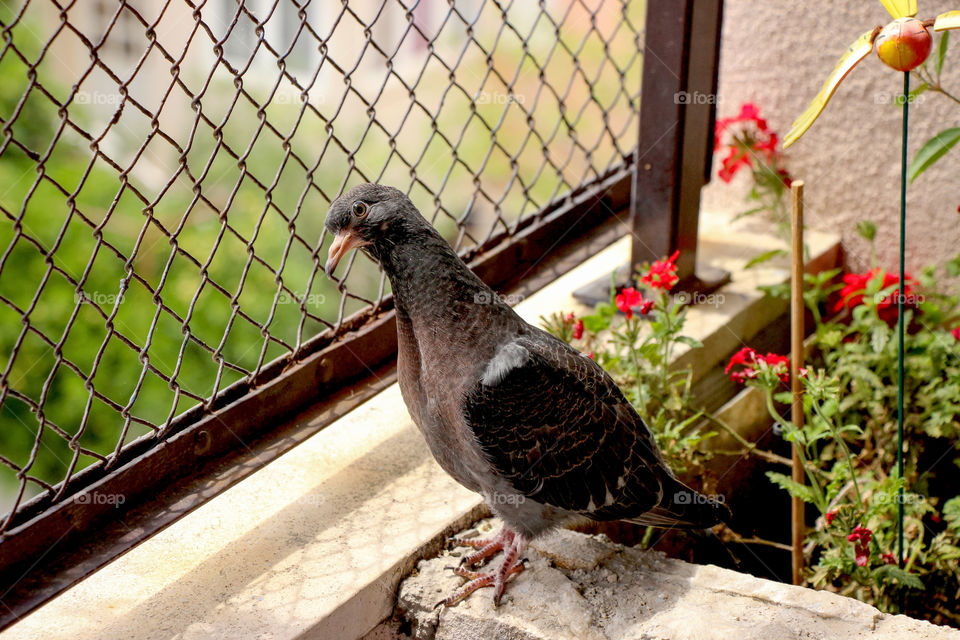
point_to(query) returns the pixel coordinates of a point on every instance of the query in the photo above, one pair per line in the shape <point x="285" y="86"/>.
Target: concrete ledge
<point x="581" y="587"/>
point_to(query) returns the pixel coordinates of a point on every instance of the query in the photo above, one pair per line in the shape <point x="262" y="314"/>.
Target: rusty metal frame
<point x="675" y="163"/>
<point x="675" y="144"/>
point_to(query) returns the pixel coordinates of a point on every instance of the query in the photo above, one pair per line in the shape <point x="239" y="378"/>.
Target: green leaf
<point x="892" y="573"/>
<point x="690" y="342"/>
<point x="951" y="513"/>
<point x="851" y="428"/>
<point x="829" y="407"/>
<point x="795" y="489"/>
<point x="650" y="351"/>
<point x="748" y="212"/>
<point x="867" y="229"/>
<point x="783" y="397"/>
<point x="595" y="323"/>
<point x="879" y="336"/>
<point x="779" y="290"/>
<point x="932" y="150"/>
<point x="941" y="52"/>
<point x="953" y="266"/>
<point x="764" y="257"/>
<point x="912" y="96"/>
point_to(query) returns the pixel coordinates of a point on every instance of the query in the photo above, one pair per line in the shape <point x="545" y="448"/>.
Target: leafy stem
<point x="933" y="84"/>
<point x="790" y="429"/>
<point x="838" y="438"/>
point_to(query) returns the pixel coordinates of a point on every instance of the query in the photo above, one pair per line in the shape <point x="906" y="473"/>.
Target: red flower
<point x="855" y="285"/>
<point x="861" y="536"/>
<point x="662" y="274"/>
<point x="888" y="558"/>
<point x="860" y="533"/>
<point x="829" y="516"/>
<point x="578" y="330"/>
<point x="591" y="355"/>
<point x="767" y="146"/>
<point x="732" y="163"/>
<point x="745" y="356"/>
<point x="784" y="176"/>
<point x="955" y="333"/>
<point x="750" y="360"/>
<point x="627" y="299"/>
<point x="750" y="111"/>
<point x="752" y="138"/>
<point x="773" y="360"/>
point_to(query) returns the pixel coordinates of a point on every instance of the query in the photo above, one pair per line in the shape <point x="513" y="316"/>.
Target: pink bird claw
<point x="497" y="579"/>
<point x="466" y="573"/>
<point x="476" y="543"/>
<point x="506" y="540"/>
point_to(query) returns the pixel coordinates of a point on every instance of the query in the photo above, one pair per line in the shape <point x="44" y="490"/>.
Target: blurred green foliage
<point x="59" y="280"/>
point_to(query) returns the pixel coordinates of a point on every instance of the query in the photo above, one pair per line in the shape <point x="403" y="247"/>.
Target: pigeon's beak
<point x="342" y="242"/>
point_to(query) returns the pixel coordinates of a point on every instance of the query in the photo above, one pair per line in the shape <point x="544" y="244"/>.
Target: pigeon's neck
<point x="447" y="318"/>
<point x="426" y="273"/>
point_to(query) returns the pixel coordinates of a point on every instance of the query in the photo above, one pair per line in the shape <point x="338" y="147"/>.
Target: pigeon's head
<point x="369" y="216"/>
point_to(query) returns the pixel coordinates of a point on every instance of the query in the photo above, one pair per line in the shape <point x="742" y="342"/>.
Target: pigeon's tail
<point x="683" y="507"/>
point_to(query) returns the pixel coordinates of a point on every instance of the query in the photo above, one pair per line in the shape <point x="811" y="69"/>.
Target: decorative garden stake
<point x="902" y="45"/>
<point x="797" y="355"/>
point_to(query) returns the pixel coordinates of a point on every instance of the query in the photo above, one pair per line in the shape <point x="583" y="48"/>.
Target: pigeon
<point x="511" y="412"/>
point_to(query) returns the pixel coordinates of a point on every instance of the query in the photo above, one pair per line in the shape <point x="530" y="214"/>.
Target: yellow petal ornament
<point x="902" y="45"/>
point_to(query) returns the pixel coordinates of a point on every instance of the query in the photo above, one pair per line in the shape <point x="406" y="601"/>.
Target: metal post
<point x="675" y="145"/>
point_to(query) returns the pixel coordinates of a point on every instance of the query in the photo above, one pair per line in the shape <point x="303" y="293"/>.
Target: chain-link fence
<point x="165" y="168"/>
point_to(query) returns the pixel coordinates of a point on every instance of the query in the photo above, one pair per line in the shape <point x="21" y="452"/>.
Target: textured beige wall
<point x="776" y="53"/>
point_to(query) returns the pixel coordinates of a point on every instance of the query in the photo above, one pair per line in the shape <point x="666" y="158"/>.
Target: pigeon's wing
<point x="555" y="426"/>
<point x="948" y="20"/>
<point x="900" y="8"/>
<point x="855" y="53"/>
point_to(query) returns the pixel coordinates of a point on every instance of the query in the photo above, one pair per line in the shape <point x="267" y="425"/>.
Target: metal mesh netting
<point x="165" y="167"/>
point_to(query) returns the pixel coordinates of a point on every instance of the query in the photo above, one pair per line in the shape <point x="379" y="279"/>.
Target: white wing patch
<point x="510" y="356"/>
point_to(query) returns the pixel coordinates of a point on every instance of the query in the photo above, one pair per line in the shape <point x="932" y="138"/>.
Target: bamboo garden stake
<point x="796" y="362"/>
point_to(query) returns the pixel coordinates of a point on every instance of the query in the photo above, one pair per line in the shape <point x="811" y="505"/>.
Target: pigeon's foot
<point x="485" y="547"/>
<point x="512" y="544"/>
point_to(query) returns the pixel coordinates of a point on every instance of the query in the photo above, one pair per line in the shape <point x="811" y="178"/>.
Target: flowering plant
<point x="747" y="142"/>
<point x="853" y="543"/>
<point x="848" y="441"/>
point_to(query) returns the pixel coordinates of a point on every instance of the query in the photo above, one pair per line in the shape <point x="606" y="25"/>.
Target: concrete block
<point x="581" y="587"/>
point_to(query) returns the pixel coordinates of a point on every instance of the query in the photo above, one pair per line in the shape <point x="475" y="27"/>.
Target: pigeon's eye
<point x="359" y="208"/>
